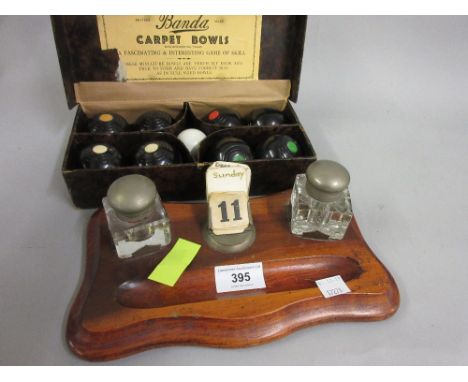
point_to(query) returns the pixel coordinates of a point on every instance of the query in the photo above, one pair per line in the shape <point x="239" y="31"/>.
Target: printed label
<point x="184" y="47"/>
<point x="332" y="286"/>
<point x="233" y="278"/>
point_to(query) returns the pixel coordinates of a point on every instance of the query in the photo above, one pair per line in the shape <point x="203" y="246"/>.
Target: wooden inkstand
<point x="117" y="310"/>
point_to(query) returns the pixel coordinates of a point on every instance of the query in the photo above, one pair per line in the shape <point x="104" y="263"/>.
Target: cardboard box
<point x="184" y="65"/>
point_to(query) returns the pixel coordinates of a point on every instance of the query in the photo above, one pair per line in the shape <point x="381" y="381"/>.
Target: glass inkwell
<point x="135" y="215"/>
<point x="320" y="202"/>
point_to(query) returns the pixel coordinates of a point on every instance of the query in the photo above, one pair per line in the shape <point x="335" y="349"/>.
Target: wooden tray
<point x="118" y="311"/>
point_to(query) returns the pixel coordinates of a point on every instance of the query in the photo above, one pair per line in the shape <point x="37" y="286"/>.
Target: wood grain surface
<point x="118" y="312"/>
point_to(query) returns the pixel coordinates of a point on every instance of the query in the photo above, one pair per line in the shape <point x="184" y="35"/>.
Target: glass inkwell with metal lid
<point x="135" y="215"/>
<point x="320" y="202"/>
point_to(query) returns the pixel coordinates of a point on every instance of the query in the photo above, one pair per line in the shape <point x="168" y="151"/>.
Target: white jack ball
<point x="191" y="138"/>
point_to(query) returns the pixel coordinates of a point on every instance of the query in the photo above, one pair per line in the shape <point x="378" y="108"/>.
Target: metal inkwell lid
<point x="132" y="196"/>
<point x="326" y="180"/>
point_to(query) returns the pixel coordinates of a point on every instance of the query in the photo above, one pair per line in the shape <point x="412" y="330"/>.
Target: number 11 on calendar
<point x="228" y="197"/>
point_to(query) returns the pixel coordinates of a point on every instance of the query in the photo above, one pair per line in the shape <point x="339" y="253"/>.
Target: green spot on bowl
<point x="292" y="146"/>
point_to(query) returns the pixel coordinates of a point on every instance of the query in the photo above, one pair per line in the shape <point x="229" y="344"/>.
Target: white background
<point x="386" y="96"/>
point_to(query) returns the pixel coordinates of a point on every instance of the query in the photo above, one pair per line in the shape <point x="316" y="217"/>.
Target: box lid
<point x="94" y="48"/>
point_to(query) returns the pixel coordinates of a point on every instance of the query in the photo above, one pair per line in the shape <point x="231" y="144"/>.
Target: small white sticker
<point x="232" y="278"/>
<point x="332" y="286"/>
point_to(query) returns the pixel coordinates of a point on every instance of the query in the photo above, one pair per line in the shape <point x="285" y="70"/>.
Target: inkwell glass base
<point x="152" y="229"/>
<point x="308" y="216"/>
